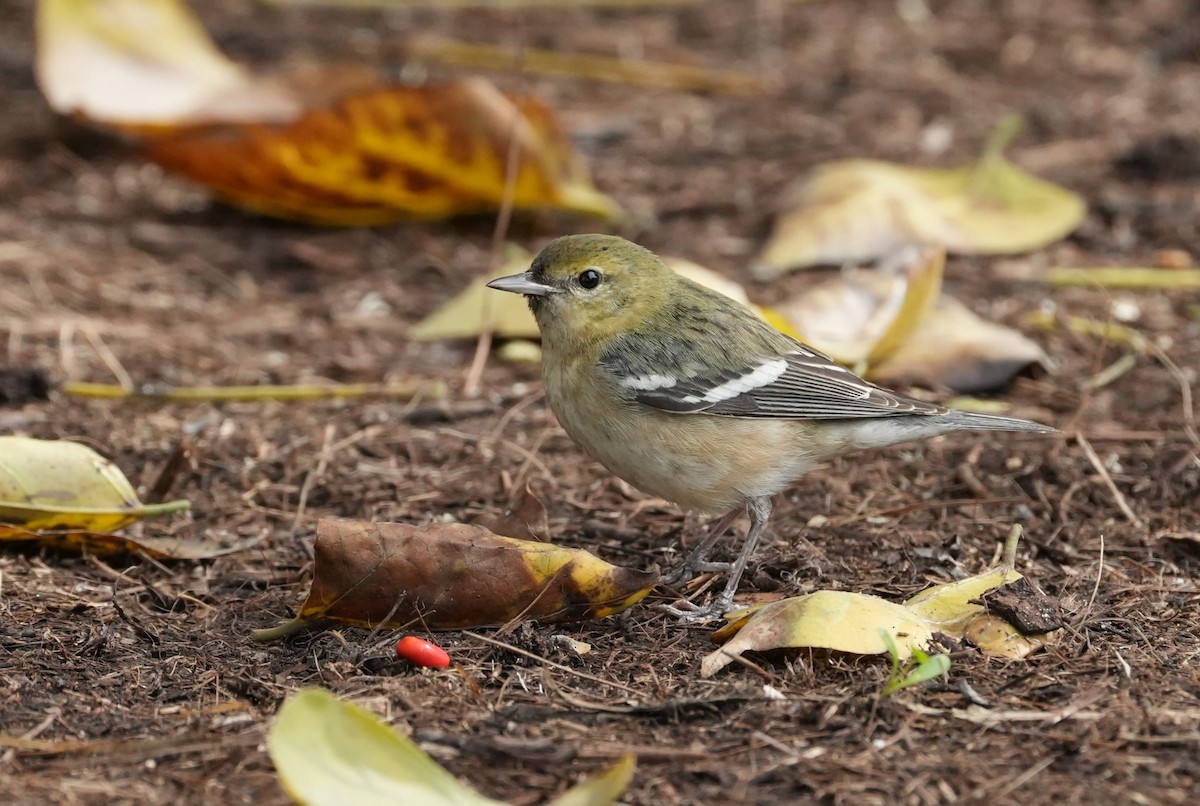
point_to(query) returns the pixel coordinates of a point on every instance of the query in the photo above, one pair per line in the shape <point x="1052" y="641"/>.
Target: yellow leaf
<point x="953" y="348"/>
<point x="144" y="62"/>
<point x="392" y="153"/>
<point x="837" y="620"/>
<point x="602" y="790"/>
<point x="948" y="607"/>
<point x="54" y="484"/>
<point x="860" y="210"/>
<point x="861" y="317"/>
<point x="856" y="622"/>
<point x="333" y="753"/>
<point x="996" y="637"/>
<point x="478" y="307"/>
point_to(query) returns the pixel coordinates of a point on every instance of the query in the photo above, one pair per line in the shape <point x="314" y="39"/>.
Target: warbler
<point x="690" y="396"/>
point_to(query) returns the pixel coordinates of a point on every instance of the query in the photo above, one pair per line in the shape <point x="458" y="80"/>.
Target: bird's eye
<point x="589" y="279"/>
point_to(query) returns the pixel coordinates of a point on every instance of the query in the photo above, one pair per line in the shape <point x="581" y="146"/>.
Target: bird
<point x="690" y="396"/>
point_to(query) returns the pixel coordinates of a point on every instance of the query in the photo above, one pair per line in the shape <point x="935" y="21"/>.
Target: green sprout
<point x="917" y="669"/>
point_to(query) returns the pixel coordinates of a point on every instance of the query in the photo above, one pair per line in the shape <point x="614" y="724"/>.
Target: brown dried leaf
<point x="454" y="576"/>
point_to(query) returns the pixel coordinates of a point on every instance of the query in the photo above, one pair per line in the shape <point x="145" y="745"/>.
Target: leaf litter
<point x="1075" y="723"/>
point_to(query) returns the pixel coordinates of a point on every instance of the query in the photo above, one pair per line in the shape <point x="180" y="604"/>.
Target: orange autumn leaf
<point x="453" y="576"/>
<point x="392" y="153"/>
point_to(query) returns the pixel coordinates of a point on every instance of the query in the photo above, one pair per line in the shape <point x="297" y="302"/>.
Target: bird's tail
<point x="968" y="420"/>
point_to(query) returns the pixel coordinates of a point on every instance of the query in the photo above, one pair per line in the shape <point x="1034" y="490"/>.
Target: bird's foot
<point x="686" y="572"/>
<point x="691" y="613"/>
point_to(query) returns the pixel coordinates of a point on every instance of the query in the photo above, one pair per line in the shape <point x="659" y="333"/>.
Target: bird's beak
<point x="522" y="284"/>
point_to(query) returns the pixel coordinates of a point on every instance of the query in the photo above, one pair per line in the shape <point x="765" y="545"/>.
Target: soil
<point x="134" y="681"/>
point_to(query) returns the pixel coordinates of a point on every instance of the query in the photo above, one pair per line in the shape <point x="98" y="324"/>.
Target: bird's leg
<point x="759" y="510"/>
<point x="697" y="559"/>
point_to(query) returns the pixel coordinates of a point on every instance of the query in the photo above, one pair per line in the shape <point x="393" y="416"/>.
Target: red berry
<point x="420" y="652"/>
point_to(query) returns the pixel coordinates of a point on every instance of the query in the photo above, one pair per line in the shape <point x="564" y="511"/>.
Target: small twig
<point x="217" y="394"/>
<point x="483" y="346"/>
<point x="1077" y="627"/>
<point x="311" y="477"/>
<point x="1116" y="277"/>
<point x="1094" y="458"/>
<point x="552" y="664"/>
<point x="662" y="75"/>
<point x="109" y="358"/>
<point x="1185" y="392"/>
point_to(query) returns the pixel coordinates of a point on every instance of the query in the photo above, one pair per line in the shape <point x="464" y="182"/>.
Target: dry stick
<point x="1185" y="392"/>
<point x="219" y="394"/>
<point x="1122" y="504"/>
<point x="552" y="664"/>
<point x="109" y="358"/>
<point x="483" y="346"/>
<point x="662" y="75"/>
<point x="311" y="478"/>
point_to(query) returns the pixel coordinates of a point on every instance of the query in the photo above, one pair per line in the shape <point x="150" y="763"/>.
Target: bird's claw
<point x="691" y="613"/>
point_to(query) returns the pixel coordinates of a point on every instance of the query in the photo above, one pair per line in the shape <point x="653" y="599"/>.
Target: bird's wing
<point x="782" y="379"/>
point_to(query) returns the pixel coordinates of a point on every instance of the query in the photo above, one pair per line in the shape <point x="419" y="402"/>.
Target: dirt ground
<point x="138" y="676"/>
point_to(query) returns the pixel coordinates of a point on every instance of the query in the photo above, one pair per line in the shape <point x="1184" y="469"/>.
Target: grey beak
<point x="522" y="284"/>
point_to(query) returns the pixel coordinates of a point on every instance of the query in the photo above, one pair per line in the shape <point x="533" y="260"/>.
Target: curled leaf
<point x="868" y="625"/>
<point x="837" y="620"/>
<point x="954" y="348"/>
<point x="857" y="211"/>
<point x="862" y="317"/>
<point x="454" y="576"/>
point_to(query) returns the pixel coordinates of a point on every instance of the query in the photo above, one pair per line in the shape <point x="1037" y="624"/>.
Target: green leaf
<point x="333" y="753"/>
<point x="55" y="484"/>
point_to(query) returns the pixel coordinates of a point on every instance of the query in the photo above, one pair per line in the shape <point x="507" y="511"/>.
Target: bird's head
<point x="587" y="287"/>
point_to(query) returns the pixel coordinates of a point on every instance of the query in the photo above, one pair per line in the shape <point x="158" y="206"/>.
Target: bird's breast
<point x="701" y="462"/>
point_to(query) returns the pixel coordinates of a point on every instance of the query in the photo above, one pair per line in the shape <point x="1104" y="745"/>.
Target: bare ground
<point x="137" y="677"/>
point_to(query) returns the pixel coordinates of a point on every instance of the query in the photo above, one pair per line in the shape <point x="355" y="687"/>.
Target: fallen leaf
<point x="606" y="788"/>
<point x="145" y="63"/>
<point x="392" y="153"/>
<point x="837" y="620"/>
<point x="862" y="210"/>
<point x="479" y="307"/>
<point x="55" y="484"/>
<point x="353" y="153"/>
<point x="454" y="576"/>
<point x="333" y="753"/>
<point x="865" y="625"/>
<point x="861" y="317"/>
<point x="996" y="637"/>
<point x="953" y="348"/>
